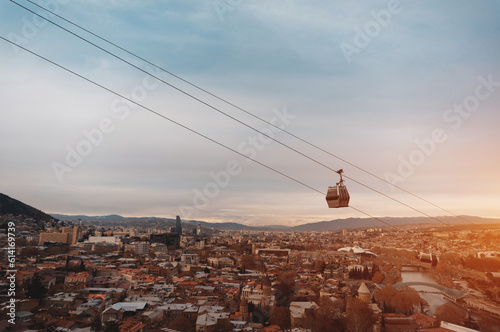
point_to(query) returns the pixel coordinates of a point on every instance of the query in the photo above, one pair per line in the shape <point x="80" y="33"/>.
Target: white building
<point x="141" y="248"/>
<point x="105" y="239"/>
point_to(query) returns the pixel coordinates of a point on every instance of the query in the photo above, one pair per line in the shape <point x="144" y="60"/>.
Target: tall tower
<point x="364" y="293"/>
<point x="244" y="309"/>
<point x="178" y="226"/>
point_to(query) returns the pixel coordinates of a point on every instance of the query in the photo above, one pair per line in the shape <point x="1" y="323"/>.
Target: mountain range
<point x="321" y="226"/>
<point x="12" y="206"/>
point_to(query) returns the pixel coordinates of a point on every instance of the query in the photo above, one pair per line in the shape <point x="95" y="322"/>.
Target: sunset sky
<point x="408" y="90"/>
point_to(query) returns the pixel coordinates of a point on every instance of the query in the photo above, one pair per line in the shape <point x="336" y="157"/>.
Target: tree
<point x="450" y="258"/>
<point x="327" y="316"/>
<point x="281" y="317"/>
<point x="378" y="277"/>
<point x="34" y="288"/>
<point x="390" y="280"/>
<point x="450" y="314"/>
<point x="366" y="273"/>
<point x="407" y="301"/>
<point x="385" y="297"/>
<point x="285" y="288"/>
<point x="359" y="317"/>
<point x="182" y="324"/>
<point x="387" y="268"/>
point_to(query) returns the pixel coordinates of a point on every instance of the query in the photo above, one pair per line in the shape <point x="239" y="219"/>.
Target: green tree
<point x="34" y="288"/>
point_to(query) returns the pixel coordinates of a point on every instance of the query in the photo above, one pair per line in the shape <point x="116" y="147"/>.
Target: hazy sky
<point x="409" y="90"/>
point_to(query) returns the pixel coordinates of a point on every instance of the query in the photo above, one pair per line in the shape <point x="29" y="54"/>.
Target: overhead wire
<point x="247" y="112"/>
<point x="225" y="114"/>
<point x="178" y="123"/>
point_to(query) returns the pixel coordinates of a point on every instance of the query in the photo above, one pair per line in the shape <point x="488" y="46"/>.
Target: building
<point x="78" y="278"/>
<point x="200" y="243"/>
<point x="273" y="252"/>
<point x="178" y="225"/>
<point x="169" y="239"/>
<point x="212" y="322"/>
<point x="53" y="237"/>
<point x="364" y="293"/>
<point x="141" y="248"/>
<point x="75" y="233"/>
<point x="298" y="313"/>
<point x="69" y="235"/>
<point x="104" y="239"/>
<point x="244" y="309"/>
<point x="190" y="258"/>
<point x="220" y="262"/>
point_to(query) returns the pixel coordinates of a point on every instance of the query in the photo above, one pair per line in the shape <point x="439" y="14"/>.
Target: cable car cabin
<point x="337" y="196"/>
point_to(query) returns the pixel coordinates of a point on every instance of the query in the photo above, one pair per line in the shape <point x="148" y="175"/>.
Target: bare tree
<point x="360" y="316"/>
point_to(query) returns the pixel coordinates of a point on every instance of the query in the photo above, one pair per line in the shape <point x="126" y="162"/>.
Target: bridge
<point x="454" y="293"/>
<point x="418" y="266"/>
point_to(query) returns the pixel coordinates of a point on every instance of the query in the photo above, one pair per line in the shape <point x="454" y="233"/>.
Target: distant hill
<point x="12" y="206"/>
<point x="9" y="205"/>
<point x="154" y="222"/>
<point x="395" y="221"/>
<point x="332" y="225"/>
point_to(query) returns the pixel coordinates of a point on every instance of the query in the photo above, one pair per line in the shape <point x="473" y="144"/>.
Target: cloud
<point x="261" y="57"/>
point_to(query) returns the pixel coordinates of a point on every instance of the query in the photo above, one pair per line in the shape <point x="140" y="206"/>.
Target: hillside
<point x="332" y="225"/>
<point x="9" y="205"/>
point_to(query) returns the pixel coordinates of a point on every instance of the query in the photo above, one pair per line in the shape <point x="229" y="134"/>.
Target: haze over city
<point x="406" y="90"/>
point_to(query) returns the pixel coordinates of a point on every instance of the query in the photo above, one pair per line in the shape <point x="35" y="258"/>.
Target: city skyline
<point x="406" y="91"/>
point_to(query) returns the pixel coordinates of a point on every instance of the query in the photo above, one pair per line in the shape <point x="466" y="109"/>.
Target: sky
<point x="406" y="90"/>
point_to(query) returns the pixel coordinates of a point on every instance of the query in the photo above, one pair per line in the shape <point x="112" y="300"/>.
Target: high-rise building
<point x="178" y="225"/>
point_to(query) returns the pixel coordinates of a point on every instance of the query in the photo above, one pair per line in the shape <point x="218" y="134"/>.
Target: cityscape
<point x="180" y="276"/>
<point x="239" y="166"/>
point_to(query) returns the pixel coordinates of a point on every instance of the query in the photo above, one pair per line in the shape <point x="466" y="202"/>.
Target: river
<point x="435" y="299"/>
